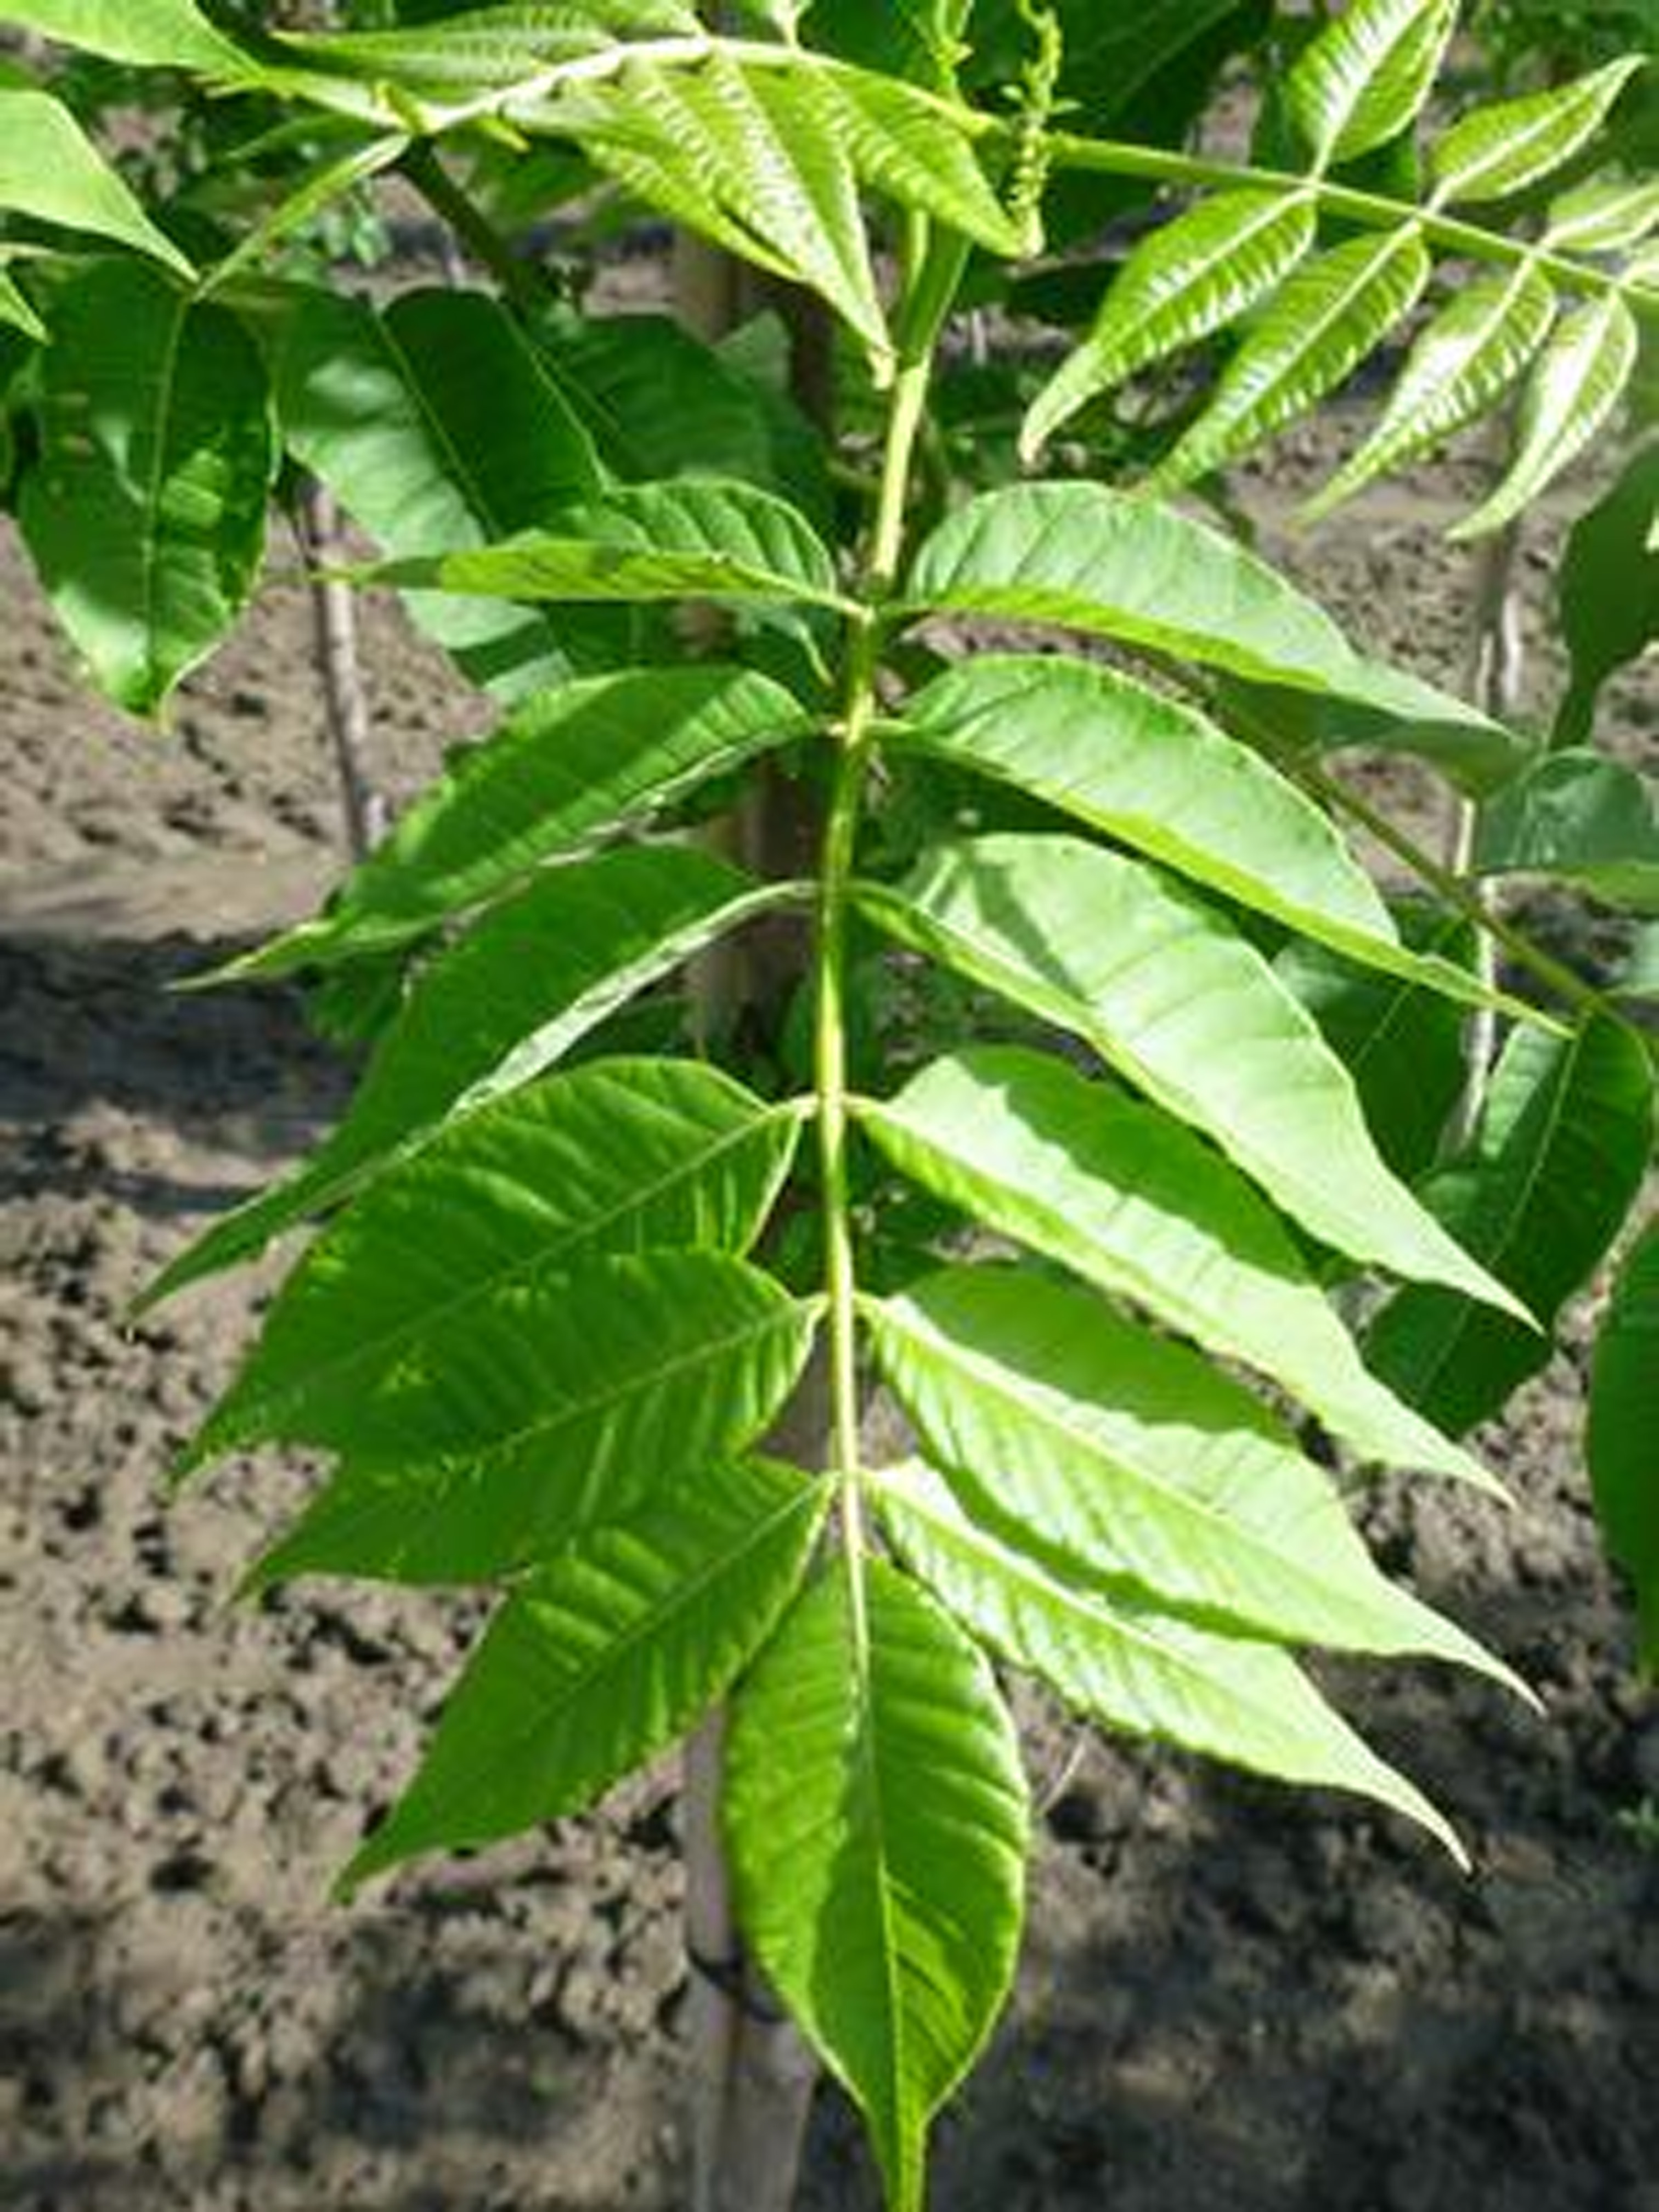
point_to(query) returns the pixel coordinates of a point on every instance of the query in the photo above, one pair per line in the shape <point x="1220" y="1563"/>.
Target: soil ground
<point x="1231" y="1997"/>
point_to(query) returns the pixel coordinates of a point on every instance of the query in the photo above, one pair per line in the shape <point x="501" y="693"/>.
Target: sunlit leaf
<point x="1366" y="77"/>
<point x="1198" y="274"/>
<point x="51" y="170"/>
<point x="146" y="515"/>
<point x="1127" y="1459"/>
<point x="1468" y="357"/>
<point x="604" y="1657"/>
<point x="493" y="1011"/>
<point x="1499" y="150"/>
<point x="1329" y="316"/>
<point x="1174" y="1000"/>
<point x="876" y="1817"/>
<point x="1136" y="1203"/>
<point x="1580" y="378"/>
<point x="548" y="1408"/>
<point x="618" y="1155"/>
<point x="1122" y="1662"/>
<point x="568" y="766"/>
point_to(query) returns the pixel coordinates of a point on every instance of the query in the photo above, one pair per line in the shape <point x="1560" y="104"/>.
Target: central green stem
<point x="860" y="708"/>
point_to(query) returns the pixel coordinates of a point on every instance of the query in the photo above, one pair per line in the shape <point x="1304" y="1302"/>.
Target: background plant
<point x="579" y="1245"/>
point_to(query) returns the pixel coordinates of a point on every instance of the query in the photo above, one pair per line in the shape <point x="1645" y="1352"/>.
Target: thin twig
<point x="339" y="666"/>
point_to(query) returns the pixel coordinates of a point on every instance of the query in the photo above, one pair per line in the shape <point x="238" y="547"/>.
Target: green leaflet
<point x="1607" y="216"/>
<point x="1330" y="316"/>
<point x="1578" y="817"/>
<point x="660" y="404"/>
<point x="1366" y="78"/>
<point x="438" y="428"/>
<point x="51" y="171"/>
<point x="1198" y="274"/>
<point x="1624" y="1422"/>
<point x="1123" y="1663"/>
<point x="1609" y="592"/>
<point x="1138" y="1205"/>
<point x="1468" y="357"/>
<point x="146" y="513"/>
<point x="1580" y="378"/>
<point x="1557" y="1163"/>
<point x="492" y="1012"/>
<point x="1117" y="566"/>
<point x="617" y="1156"/>
<point x="1403" y="1042"/>
<point x="1129" y="1461"/>
<point x="567" y="767"/>
<point x="156" y="34"/>
<point x="497" y="49"/>
<point x="763" y="150"/>
<point x="1161" y="778"/>
<point x="549" y="1408"/>
<point x="19" y="315"/>
<point x="604" y="1657"/>
<point x="877" y="1823"/>
<point x="1516" y="144"/>
<point x="1169" y="995"/>
<point x="671" y="541"/>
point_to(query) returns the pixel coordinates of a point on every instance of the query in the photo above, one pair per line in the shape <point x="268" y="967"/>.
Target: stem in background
<point x="1497" y="662"/>
<point x="1458" y="894"/>
<point x="753" y="2074"/>
<point x="522" y="282"/>
<point x="339" y="666"/>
